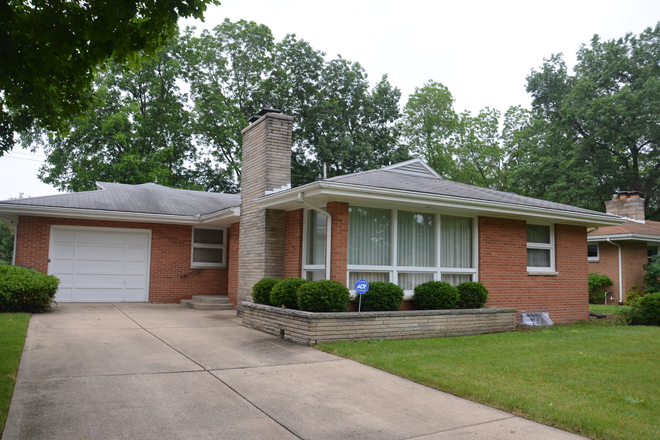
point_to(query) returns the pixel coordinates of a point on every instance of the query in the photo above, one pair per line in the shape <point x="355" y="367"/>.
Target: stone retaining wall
<point x="310" y="328"/>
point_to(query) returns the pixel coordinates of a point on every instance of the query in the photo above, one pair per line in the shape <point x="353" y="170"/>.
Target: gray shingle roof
<point x="386" y="178"/>
<point x="147" y="198"/>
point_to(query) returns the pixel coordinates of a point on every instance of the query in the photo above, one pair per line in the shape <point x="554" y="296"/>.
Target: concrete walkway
<point x="143" y="371"/>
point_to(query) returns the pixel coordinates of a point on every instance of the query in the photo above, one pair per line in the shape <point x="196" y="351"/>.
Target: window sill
<point x="207" y="267"/>
<point x="594" y="261"/>
<point x="542" y="273"/>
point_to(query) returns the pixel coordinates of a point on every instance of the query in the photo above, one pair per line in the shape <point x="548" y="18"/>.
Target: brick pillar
<point x="232" y="263"/>
<point x="266" y="164"/>
<point x="294" y="241"/>
<point x="339" y="251"/>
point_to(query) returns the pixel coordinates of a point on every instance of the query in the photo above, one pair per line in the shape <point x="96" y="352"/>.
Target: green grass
<point x="610" y="310"/>
<point x="599" y="381"/>
<point x="13" y="327"/>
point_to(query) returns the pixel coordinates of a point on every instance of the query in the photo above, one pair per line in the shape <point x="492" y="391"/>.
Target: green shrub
<point x="597" y="285"/>
<point x="471" y="295"/>
<point x="261" y="290"/>
<point x="435" y="295"/>
<point x="652" y="277"/>
<point x="286" y="293"/>
<point x="646" y="311"/>
<point x="632" y="295"/>
<point x="323" y="296"/>
<point x="26" y="290"/>
<point x="382" y="296"/>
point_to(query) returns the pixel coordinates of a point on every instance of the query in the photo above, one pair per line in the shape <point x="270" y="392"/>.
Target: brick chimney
<point x="628" y="204"/>
<point x="266" y="165"/>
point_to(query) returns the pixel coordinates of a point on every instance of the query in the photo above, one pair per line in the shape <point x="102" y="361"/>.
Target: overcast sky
<point x="481" y="50"/>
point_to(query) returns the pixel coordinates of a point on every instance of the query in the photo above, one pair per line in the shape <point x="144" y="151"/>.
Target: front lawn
<point x="599" y="381"/>
<point x="613" y="309"/>
<point x="13" y="328"/>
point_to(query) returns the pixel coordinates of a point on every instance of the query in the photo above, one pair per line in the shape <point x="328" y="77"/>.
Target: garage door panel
<point x="99" y="295"/>
<point x="98" y="237"/>
<point x="58" y="266"/>
<point x="94" y="280"/>
<point x="64" y="236"/>
<point x="100" y="265"/>
<point x="104" y="253"/>
<point x="62" y="251"/>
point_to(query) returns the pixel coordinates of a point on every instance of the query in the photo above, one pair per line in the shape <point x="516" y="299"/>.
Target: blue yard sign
<point x="361" y="287"/>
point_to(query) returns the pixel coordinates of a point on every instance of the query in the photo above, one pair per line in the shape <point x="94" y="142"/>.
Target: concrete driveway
<point x="144" y="371"/>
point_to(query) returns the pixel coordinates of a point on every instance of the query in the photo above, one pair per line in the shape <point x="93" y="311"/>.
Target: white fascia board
<point x="623" y="237"/>
<point x="48" y="211"/>
<point x="225" y="214"/>
<point x="340" y="191"/>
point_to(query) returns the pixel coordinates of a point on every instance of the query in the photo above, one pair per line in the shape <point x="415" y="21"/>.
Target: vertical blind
<point x="416" y="239"/>
<point x="369" y="236"/>
<point x="316" y="238"/>
<point x="456" y="242"/>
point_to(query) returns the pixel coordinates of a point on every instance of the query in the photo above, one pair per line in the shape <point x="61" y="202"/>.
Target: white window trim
<point x="595" y="259"/>
<point x="532" y="270"/>
<point x="193" y="245"/>
<point x="310" y="267"/>
<point x="394" y="269"/>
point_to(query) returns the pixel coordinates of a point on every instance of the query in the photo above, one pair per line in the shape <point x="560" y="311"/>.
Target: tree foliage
<point x="6" y="244"/>
<point x="597" y="130"/>
<point x="51" y="51"/>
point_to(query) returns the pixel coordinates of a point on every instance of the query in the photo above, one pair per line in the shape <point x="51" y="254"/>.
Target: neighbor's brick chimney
<point x="266" y="165"/>
<point x="628" y="204"/>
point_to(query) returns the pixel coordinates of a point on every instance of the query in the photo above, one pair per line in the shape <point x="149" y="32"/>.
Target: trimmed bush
<point x="597" y="285"/>
<point x="323" y="296"/>
<point x="261" y="290"/>
<point x="382" y="297"/>
<point x="632" y="295"/>
<point x="645" y="311"/>
<point x="471" y="295"/>
<point x="286" y="293"/>
<point x="26" y="290"/>
<point x="435" y="295"/>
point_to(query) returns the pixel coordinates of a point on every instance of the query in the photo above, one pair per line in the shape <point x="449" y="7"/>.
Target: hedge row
<point x="331" y="296"/>
<point x="25" y="290"/>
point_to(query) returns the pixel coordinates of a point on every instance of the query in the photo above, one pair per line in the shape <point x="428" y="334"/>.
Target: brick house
<point x="402" y="223"/>
<point x="620" y="252"/>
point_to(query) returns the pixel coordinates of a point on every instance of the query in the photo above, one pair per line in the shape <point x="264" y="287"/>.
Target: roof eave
<point x="50" y="211"/>
<point x="624" y="237"/>
<point x="339" y="190"/>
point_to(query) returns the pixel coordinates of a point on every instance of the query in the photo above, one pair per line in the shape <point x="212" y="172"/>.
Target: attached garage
<point x="100" y="264"/>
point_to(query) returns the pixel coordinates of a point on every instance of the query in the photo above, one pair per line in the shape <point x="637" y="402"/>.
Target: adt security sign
<point x="361" y="286"/>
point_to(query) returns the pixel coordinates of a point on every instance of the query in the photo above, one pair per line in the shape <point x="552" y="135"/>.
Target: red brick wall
<point x="170" y="256"/>
<point x="294" y="244"/>
<point x="339" y="251"/>
<point x="232" y="263"/>
<point x="633" y="255"/>
<point x="503" y="270"/>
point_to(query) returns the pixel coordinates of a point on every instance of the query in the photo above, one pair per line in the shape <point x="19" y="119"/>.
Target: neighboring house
<point x="620" y="252"/>
<point x="402" y="223"/>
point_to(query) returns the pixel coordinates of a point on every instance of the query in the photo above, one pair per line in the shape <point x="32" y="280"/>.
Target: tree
<point x="6" y="244"/>
<point x="141" y="133"/>
<point x="51" y="51"/>
<point x="598" y="130"/>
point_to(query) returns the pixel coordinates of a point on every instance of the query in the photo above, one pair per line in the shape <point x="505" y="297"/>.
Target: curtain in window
<point x="369" y="232"/>
<point x="416" y="239"/>
<point x="316" y="238"/>
<point x="456" y="242"/>
<point x="369" y="277"/>
<point x="456" y="278"/>
<point x="538" y="234"/>
<point x="538" y="257"/>
<point x="408" y="281"/>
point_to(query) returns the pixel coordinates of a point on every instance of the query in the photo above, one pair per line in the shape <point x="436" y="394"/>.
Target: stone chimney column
<point x="266" y="164"/>
<point x="628" y="204"/>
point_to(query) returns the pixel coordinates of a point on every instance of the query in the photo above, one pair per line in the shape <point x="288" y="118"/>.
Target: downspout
<point x="13" y="255"/>
<point x="620" y="271"/>
<point x="328" y="239"/>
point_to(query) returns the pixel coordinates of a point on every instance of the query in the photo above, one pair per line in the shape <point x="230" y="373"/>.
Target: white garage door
<point x="100" y="264"/>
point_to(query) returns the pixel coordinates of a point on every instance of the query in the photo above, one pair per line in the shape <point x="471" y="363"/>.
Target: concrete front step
<point x="208" y="302"/>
